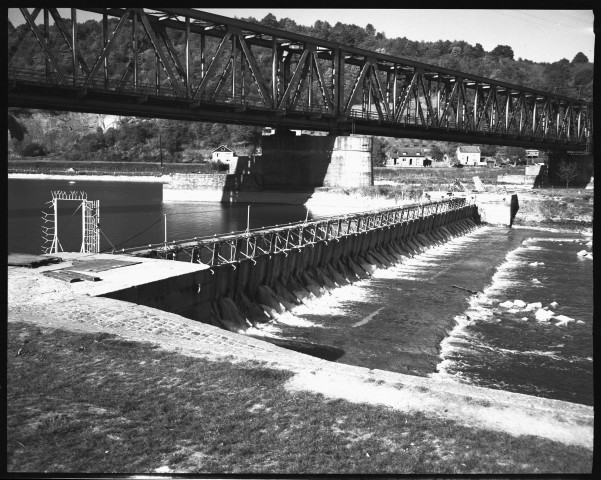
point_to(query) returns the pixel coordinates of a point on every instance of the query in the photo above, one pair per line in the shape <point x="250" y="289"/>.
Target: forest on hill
<point x="82" y="136"/>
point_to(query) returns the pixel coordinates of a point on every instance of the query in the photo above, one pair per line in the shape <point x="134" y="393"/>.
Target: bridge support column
<point x="309" y="161"/>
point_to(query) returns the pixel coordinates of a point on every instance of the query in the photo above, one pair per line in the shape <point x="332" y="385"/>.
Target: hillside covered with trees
<point x="80" y="136"/>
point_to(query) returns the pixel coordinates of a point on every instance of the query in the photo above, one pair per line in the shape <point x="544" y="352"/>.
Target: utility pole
<point x="160" y="148"/>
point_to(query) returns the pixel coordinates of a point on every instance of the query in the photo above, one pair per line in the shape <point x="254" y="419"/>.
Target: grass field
<point x="95" y="403"/>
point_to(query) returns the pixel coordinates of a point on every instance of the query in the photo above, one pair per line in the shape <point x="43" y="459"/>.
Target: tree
<point x="504" y="51"/>
<point x="488" y="150"/>
<point x="456" y="50"/>
<point x="567" y="172"/>
<point x="270" y="20"/>
<point x="379" y="145"/>
<point x="92" y="142"/>
<point x="478" y="51"/>
<point x="580" y="58"/>
<point x="557" y="74"/>
<point x="517" y="155"/>
<point x="16" y="129"/>
<point x="33" y="149"/>
<point x="584" y="76"/>
<point x="436" y="153"/>
<point x="173" y="136"/>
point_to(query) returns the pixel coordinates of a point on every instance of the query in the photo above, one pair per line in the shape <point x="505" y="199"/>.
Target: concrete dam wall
<point x="253" y="277"/>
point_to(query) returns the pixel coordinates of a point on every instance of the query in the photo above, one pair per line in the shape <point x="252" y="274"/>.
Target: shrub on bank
<point x="33" y="149"/>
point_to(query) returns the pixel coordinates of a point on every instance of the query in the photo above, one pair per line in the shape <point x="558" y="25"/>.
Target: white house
<point x="532" y="156"/>
<point x="409" y="157"/>
<point x="223" y="154"/>
<point x="469" y="155"/>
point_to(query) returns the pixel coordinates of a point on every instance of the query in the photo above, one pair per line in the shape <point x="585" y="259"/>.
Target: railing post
<point x="215" y="257"/>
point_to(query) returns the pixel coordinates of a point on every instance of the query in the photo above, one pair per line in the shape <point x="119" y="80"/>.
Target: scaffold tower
<point x="90" y="222"/>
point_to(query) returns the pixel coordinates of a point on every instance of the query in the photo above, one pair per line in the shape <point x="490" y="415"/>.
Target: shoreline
<point x="323" y="202"/>
<point x="100" y="178"/>
<point x="327" y="203"/>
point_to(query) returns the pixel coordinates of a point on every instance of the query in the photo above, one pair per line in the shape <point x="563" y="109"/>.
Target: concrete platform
<point x="30" y="261"/>
<point x="143" y="271"/>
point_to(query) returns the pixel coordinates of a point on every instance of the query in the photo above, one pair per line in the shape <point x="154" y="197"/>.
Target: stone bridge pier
<point x="306" y="162"/>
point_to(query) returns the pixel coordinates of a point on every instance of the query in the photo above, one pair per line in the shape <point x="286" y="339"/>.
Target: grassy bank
<point x="408" y="183"/>
<point x="566" y="207"/>
<point x="551" y="206"/>
<point x="97" y="403"/>
<point x="444" y="175"/>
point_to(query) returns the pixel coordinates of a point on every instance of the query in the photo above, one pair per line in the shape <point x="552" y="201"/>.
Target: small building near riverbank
<point x="469" y="155"/>
<point x="223" y="154"/>
<point x="409" y="157"/>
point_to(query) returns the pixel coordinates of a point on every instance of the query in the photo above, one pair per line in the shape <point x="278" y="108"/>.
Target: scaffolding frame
<point x="90" y="222"/>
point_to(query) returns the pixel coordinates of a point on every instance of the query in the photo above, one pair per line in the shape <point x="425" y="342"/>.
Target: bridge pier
<point x="308" y="162"/>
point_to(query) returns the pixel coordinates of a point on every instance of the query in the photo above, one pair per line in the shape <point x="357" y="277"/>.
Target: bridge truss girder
<point x="192" y="65"/>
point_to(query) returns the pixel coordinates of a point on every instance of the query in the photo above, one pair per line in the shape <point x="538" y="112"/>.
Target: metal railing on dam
<point x="248" y="244"/>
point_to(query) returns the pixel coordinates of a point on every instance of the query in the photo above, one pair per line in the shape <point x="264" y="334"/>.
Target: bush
<point x="92" y="142"/>
<point x="33" y="149"/>
<point x="221" y="167"/>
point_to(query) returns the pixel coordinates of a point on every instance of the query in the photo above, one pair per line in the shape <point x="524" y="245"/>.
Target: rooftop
<point x="469" y="149"/>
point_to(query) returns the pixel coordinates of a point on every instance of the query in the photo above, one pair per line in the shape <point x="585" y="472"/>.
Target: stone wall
<point x="193" y="181"/>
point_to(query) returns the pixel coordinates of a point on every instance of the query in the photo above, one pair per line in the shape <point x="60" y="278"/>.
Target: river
<point x="414" y="318"/>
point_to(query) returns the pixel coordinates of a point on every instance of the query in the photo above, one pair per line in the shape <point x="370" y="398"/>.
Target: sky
<point x="537" y="35"/>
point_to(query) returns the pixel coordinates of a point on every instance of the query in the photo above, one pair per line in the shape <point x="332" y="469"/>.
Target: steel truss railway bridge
<point x="191" y="65"/>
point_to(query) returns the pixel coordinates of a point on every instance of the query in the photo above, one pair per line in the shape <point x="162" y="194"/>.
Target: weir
<point x="253" y="276"/>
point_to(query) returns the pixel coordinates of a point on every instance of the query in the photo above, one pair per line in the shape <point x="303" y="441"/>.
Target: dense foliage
<point x="161" y="140"/>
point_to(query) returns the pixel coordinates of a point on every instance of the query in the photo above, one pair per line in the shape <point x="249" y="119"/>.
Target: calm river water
<point x="392" y="321"/>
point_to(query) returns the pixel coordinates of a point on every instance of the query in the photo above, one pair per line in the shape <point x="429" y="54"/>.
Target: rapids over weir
<point x="254" y="276"/>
